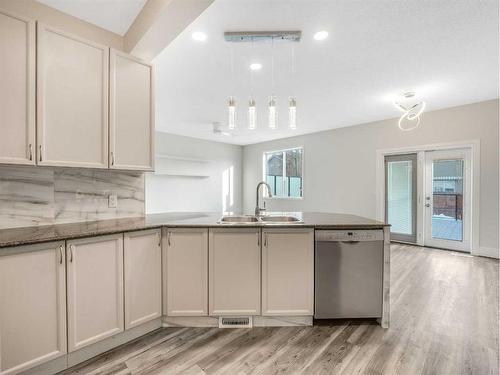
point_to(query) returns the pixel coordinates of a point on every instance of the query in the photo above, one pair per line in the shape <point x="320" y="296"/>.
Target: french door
<point x="401" y="196"/>
<point x="447" y="203"/>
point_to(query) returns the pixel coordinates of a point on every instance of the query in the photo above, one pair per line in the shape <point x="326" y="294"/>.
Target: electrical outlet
<point x="112" y="201"/>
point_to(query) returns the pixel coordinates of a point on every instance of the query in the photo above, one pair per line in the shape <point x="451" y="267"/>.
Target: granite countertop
<point x="57" y="232"/>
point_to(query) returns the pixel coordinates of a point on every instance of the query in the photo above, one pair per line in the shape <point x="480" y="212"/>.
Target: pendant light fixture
<point x="252" y="114"/>
<point x="231" y="121"/>
<point x="263" y="36"/>
<point x="231" y="108"/>
<point x="252" y="110"/>
<point x="292" y="101"/>
<point x="273" y="114"/>
<point x="292" y="113"/>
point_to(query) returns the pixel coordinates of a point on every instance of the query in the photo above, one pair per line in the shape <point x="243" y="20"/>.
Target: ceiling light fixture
<point x="256" y="66"/>
<point x="199" y="36"/>
<point x="411" y="108"/>
<point x="320" y="35"/>
<point x="262" y="36"/>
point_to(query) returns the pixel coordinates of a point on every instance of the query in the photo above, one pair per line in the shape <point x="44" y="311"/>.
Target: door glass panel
<point x="399" y="196"/>
<point x="447" y="199"/>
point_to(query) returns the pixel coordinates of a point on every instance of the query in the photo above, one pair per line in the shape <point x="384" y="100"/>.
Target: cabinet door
<point x="131" y="115"/>
<point x="288" y="271"/>
<point x="17" y="89"/>
<point x="32" y="306"/>
<point x="234" y="271"/>
<point x="95" y="289"/>
<point x="72" y="100"/>
<point x="186" y="272"/>
<point x="142" y="270"/>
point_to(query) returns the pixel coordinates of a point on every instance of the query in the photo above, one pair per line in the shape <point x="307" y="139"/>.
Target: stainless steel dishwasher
<point x="348" y="274"/>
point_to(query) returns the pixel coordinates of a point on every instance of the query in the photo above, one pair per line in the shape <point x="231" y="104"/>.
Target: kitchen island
<point x="116" y="280"/>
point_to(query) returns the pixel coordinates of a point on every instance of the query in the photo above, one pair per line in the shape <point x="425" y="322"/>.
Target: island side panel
<point x="386" y="307"/>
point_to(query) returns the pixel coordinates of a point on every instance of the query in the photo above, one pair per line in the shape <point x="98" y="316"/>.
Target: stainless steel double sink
<point x="265" y="219"/>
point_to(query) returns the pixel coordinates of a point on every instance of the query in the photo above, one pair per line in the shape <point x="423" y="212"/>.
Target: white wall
<point x="340" y="164"/>
<point x="221" y="191"/>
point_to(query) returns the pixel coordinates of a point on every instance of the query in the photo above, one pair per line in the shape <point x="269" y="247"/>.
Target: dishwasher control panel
<point x="350" y="235"/>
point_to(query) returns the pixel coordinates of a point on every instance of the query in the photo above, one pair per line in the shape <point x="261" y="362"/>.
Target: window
<point x="283" y="171"/>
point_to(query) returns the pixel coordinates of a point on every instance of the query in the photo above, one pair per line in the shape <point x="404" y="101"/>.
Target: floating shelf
<point x="180" y="166"/>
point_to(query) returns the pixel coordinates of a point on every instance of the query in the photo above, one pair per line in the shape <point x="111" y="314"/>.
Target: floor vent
<point x="235" y="322"/>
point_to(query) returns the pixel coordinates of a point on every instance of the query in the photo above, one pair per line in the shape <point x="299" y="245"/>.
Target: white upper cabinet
<point x="17" y="89"/>
<point x="131" y="116"/>
<point x="32" y="306"/>
<point x="95" y="289"/>
<point x="72" y="100"/>
<point x="185" y="272"/>
<point x="234" y="271"/>
<point x="142" y="274"/>
<point x="288" y="271"/>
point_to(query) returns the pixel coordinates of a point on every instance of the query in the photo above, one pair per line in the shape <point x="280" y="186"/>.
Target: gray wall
<point x="340" y="164"/>
<point x="221" y="190"/>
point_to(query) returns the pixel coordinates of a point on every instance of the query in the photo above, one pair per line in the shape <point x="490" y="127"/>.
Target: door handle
<point x="60" y="254"/>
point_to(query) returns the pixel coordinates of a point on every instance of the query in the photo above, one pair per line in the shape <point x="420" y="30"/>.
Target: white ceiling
<point x="112" y="15"/>
<point x="446" y="51"/>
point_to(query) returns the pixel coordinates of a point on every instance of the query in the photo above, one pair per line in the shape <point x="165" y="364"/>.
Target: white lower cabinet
<point x="142" y="271"/>
<point x="185" y="257"/>
<point x="32" y="306"/>
<point x="234" y="271"/>
<point x="288" y="271"/>
<point x="95" y="289"/>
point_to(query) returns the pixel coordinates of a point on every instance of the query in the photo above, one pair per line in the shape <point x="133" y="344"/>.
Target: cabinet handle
<point x="265" y="240"/>
<point x="40" y="149"/>
<point x="258" y="239"/>
<point x="60" y="254"/>
<point x="168" y="237"/>
<point x="71" y="253"/>
<point x="30" y="151"/>
<point x="112" y="158"/>
<point x="159" y="238"/>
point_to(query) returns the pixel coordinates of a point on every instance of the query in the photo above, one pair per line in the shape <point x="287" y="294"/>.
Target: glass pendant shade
<point x="292" y="113"/>
<point x="252" y="114"/>
<point x="273" y="114"/>
<point x="231" y="121"/>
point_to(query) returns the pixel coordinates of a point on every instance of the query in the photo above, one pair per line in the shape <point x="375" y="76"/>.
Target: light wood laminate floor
<point x="444" y="311"/>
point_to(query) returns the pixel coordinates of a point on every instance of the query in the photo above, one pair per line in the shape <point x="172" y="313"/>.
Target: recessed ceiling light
<point x="199" y="36"/>
<point x="321" y="35"/>
<point x="256" y="66"/>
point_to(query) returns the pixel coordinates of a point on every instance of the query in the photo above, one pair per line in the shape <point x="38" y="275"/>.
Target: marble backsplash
<point x="43" y="195"/>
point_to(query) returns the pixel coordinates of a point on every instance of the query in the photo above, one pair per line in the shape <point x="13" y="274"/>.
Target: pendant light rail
<point x="261" y="36"/>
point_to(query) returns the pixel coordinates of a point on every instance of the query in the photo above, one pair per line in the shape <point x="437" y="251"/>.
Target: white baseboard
<point x="489" y="252"/>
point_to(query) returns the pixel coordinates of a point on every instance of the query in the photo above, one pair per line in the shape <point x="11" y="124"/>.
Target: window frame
<point x="284" y="150"/>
